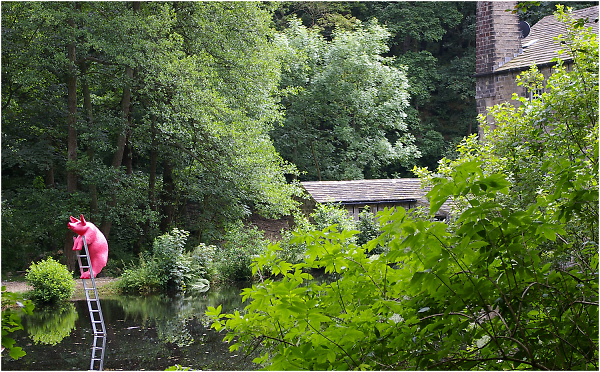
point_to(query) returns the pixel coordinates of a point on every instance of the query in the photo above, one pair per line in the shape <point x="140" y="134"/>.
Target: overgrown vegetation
<point x="232" y="262"/>
<point x="167" y="267"/>
<point x="164" y="127"/>
<point x="52" y="282"/>
<point x="510" y="283"/>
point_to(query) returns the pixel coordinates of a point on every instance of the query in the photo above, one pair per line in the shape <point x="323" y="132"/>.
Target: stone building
<point x="377" y="194"/>
<point x="502" y="53"/>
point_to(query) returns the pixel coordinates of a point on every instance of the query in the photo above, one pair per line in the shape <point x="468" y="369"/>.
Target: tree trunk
<point x="153" y="163"/>
<point x="127" y="158"/>
<point x="87" y="105"/>
<point x="167" y="195"/>
<point x="121" y="140"/>
<point x="49" y="179"/>
<point x="125" y="103"/>
<point x="72" y="138"/>
<point x="122" y="137"/>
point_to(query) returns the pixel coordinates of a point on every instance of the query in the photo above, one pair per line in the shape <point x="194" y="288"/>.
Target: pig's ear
<point x="73" y="219"/>
<point x="82" y="219"/>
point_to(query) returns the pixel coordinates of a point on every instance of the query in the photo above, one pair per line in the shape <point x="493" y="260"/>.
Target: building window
<point x="534" y="94"/>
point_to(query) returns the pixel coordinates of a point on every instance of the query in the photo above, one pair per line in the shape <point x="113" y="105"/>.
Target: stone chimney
<point x="498" y="37"/>
<point x="498" y="40"/>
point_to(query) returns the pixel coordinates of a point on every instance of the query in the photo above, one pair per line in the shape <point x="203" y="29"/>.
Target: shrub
<point x="325" y="215"/>
<point x="478" y="297"/>
<point x="140" y="278"/>
<point x="233" y="260"/>
<point x="290" y="251"/>
<point x="52" y="282"/>
<point x="205" y="255"/>
<point x="167" y="267"/>
<point x="169" y="258"/>
<point x="330" y="214"/>
<point x="368" y="229"/>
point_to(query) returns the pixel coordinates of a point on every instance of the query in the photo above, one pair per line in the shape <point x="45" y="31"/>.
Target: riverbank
<point x="103" y="285"/>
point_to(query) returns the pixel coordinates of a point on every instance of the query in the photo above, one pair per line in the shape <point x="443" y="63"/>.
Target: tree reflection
<point x="172" y="314"/>
<point x="50" y="325"/>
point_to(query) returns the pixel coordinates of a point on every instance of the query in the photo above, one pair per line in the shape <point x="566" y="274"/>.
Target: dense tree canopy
<point x="345" y="114"/>
<point x="434" y="43"/>
<point x="138" y="115"/>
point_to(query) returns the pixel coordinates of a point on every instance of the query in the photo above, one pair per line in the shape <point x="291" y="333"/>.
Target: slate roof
<point x="398" y="190"/>
<point x="544" y="49"/>
<point x="361" y="191"/>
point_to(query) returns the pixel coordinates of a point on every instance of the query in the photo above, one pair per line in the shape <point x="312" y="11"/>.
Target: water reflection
<point x="50" y="325"/>
<point x="98" y="350"/>
<point x="150" y="333"/>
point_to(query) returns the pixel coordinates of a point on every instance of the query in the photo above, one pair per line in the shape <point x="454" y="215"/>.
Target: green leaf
<point x="17" y="352"/>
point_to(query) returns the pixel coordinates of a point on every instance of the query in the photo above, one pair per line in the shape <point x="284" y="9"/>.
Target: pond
<point x="143" y="333"/>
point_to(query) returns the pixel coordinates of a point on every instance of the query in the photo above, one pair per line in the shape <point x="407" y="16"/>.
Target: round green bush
<point x="52" y="282"/>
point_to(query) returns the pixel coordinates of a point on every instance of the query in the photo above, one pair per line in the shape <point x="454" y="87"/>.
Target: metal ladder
<point x="93" y="303"/>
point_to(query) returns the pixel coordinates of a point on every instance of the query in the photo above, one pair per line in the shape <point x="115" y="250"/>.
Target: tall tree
<point x="345" y="108"/>
<point x="71" y="124"/>
<point x="435" y="41"/>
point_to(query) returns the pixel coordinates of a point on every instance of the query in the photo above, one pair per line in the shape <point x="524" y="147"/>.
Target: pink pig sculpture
<point x="96" y="242"/>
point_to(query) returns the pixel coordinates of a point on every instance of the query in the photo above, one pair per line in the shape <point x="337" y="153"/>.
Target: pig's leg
<point x="86" y="275"/>
<point x="78" y="243"/>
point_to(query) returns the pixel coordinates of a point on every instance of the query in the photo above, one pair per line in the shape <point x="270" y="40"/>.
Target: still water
<point x="143" y="333"/>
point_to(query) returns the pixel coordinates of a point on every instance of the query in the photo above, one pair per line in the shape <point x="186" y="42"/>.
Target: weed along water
<point x="142" y="333"/>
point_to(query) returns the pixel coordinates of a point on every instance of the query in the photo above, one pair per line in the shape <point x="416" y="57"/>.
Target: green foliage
<point x="454" y="299"/>
<point x="52" y="282"/>
<point x="205" y="255"/>
<point x="533" y="11"/>
<point x="233" y="260"/>
<point x="290" y="251"/>
<point x="368" y="228"/>
<point x="436" y="41"/>
<point x="345" y="103"/>
<point x="28" y="233"/>
<point x="326" y="215"/>
<point x="178" y="367"/>
<point x="11" y="320"/>
<point x="511" y="282"/>
<point x="168" y="267"/>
